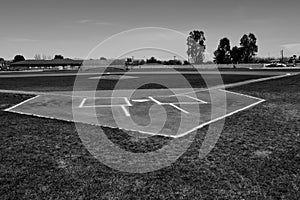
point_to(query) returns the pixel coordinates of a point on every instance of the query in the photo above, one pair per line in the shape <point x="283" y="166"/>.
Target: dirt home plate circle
<point x="168" y="112"/>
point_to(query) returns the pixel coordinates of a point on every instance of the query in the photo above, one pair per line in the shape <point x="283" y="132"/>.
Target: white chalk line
<point x="19" y="104"/>
<point x="127" y="101"/>
<point x="103" y="106"/>
<point x="93" y="124"/>
<point x="127" y="114"/>
<point x="178" y="108"/>
<point x="140" y="100"/>
<point x="156" y="101"/>
<point x="217" y="119"/>
<point x="236" y="84"/>
<point x="203" y="102"/>
<point x="82" y="103"/>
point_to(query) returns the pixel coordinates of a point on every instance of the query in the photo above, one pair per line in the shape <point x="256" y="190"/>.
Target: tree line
<point x="242" y="54"/>
<point x="224" y="54"/>
<point x="19" y="58"/>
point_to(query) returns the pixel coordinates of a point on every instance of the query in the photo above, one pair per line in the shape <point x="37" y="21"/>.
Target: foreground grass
<point x="256" y="157"/>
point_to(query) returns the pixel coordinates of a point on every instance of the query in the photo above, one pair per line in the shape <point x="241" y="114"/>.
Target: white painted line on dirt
<point x="178" y="108"/>
<point x="112" y="77"/>
<point x="154" y="100"/>
<point x="106" y="97"/>
<point x="82" y="103"/>
<point x="19" y="104"/>
<point x="127" y="101"/>
<point x="183" y="103"/>
<point x="219" y="118"/>
<point x="125" y="111"/>
<point x="204" y="102"/>
<point x="104" y="106"/>
<point x="140" y="100"/>
<point x="92" y="124"/>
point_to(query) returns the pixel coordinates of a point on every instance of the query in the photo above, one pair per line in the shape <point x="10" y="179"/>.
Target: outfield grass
<point x="66" y="83"/>
<point x="256" y="157"/>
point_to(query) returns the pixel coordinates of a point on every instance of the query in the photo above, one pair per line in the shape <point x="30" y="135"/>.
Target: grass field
<point x="256" y="157"/>
<point x="66" y="83"/>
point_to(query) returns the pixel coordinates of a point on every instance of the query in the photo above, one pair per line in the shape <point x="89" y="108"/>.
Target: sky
<point x="74" y="28"/>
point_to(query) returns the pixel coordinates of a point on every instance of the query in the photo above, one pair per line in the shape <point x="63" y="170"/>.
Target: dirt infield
<point x="133" y="112"/>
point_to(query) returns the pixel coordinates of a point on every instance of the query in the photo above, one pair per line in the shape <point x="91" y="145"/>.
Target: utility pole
<point x="282" y="55"/>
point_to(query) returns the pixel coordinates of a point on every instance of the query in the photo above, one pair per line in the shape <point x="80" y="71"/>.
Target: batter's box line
<point x="198" y="101"/>
<point x="81" y="105"/>
<point x="170" y="104"/>
<point x="201" y="101"/>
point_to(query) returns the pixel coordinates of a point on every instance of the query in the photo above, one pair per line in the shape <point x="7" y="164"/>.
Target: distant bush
<point x="58" y="57"/>
<point x="18" y="58"/>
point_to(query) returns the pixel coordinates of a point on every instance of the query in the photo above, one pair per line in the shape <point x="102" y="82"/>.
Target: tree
<point x="236" y="54"/>
<point x="1" y="62"/>
<point x="58" y="57"/>
<point x="142" y="62"/>
<point x="18" y="58"/>
<point x="249" y="47"/>
<point x="294" y="60"/>
<point x="152" y="60"/>
<point x="103" y="58"/>
<point x="186" y="62"/>
<point x="222" y="54"/>
<point x="196" y="46"/>
<point x="172" y="62"/>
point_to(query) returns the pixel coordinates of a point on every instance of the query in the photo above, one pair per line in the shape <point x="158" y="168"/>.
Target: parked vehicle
<point x="275" y="64"/>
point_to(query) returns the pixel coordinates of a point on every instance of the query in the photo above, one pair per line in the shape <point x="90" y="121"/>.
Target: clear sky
<point x="74" y="27"/>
